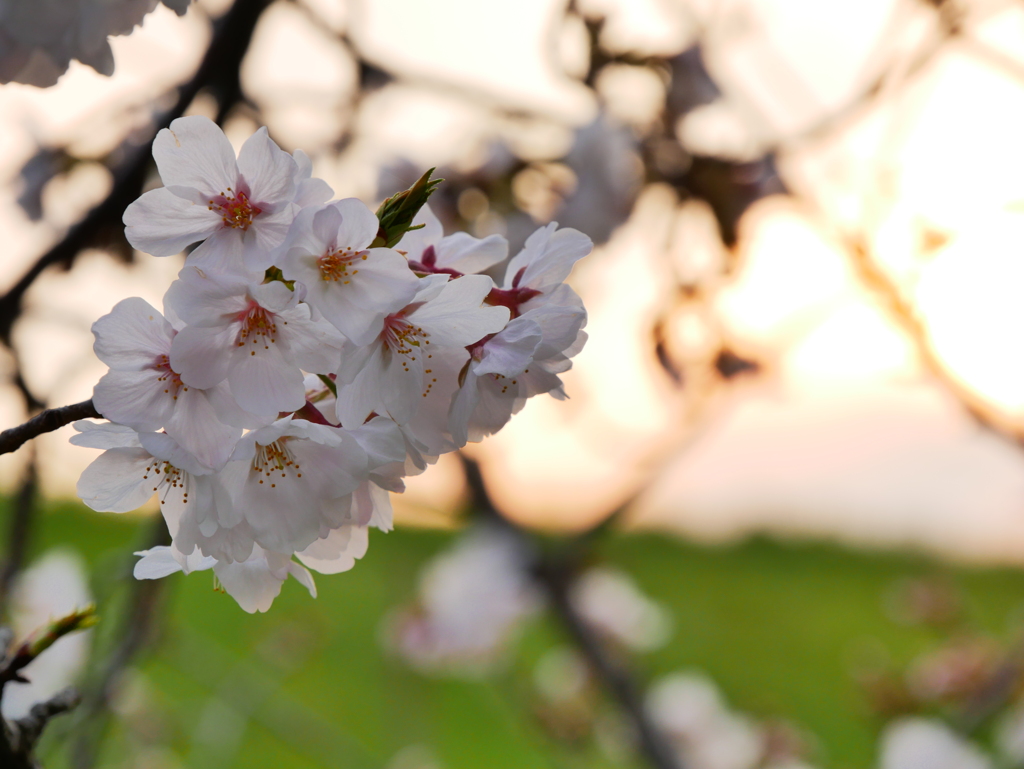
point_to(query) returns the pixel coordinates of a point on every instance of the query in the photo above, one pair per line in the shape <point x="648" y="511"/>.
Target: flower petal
<point x="268" y="170"/>
<point x="132" y="335"/>
<point x="162" y="224"/>
<point x="194" y="152"/>
<point x="115" y="482"/>
<point x="338" y="551"/>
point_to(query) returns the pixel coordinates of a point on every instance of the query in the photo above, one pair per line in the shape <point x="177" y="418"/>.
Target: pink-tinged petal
<point x="463" y="405"/>
<point x="358" y="225"/>
<point x="414" y="242"/>
<point x="274" y="296"/>
<point x="162" y="446"/>
<point x="202" y="356"/>
<point x="163" y="224"/>
<point x="361" y="508"/>
<point x="384" y="282"/>
<point x="232" y="479"/>
<point x="357" y="399"/>
<point x="229" y="412"/>
<point x="456" y="317"/>
<point x="195" y="153"/>
<point x="383" y="517"/>
<point x="284" y="517"/>
<point x="313" y="345"/>
<point x="382" y="441"/>
<point x="511" y="350"/>
<point x="302" y="576"/>
<point x="268" y="170"/>
<point x="104" y="435"/>
<point x="462" y="252"/>
<point x="430" y="425"/>
<point x="156" y="563"/>
<point x="196" y="427"/>
<point x="324" y="226"/>
<point x="338" y="551"/>
<point x="181" y="511"/>
<point x="132" y="335"/>
<point x="206" y="297"/>
<point x="334" y="305"/>
<point x="302" y="247"/>
<point x="548" y="257"/>
<point x="115" y="482"/>
<point x="560" y="327"/>
<point x="142" y="400"/>
<point x="430" y="286"/>
<point x="263" y="238"/>
<point x="353" y="359"/>
<point x="266" y="383"/>
<point x="250" y="583"/>
<point x="222" y="253"/>
<point x="403" y="386"/>
<point x="497" y="402"/>
<point x="309" y="191"/>
<point x="376" y="287"/>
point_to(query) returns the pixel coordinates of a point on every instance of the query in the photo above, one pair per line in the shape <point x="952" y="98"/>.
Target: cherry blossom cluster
<point x="310" y="355"/>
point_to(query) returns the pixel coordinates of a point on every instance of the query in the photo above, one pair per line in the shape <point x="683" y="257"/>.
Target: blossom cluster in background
<point x="310" y="355"/>
<point x="39" y="39"/>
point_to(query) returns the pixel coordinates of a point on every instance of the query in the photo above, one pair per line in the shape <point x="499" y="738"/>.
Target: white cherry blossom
<point x="351" y="285"/>
<point x="135" y="466"/>
<point x="257" y="336"/>
<point x="241" y="208"/>
<point x="394" y="372"/>
<point x="472" y="600"/>
<point x="429" y="250"/>
<point x="143" y="391"/>
<point x="515" y="364"/>
<point x="292" y="481"/>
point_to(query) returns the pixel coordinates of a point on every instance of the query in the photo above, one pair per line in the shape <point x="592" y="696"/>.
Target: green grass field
<point x="777" y="626"/>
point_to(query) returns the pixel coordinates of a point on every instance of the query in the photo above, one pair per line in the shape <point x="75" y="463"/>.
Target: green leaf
<point x="397" y="212"/>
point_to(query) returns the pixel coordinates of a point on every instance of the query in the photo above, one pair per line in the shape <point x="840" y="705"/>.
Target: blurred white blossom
<point x="610" y="601"/>
<point x="472" y="599"/>
<point x="923" y="743"/>
<point x="52" y="587"/>
<point x="705" y="733"/>
<point x="39" y="38"/>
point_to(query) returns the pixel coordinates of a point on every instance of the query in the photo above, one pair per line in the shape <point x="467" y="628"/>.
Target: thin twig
<point x="45" y="422"/>
<point x="903" y="312"/>
<point x="555" y="576"/>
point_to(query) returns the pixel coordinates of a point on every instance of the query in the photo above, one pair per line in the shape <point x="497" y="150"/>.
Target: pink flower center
<point x="258" y="326"/>
<point x="334" y="265"/>
<point x="235" y="208"/>
<point x="169" y="378"/>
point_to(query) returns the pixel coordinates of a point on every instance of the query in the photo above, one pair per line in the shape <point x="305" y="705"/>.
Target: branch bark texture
<point x="45" y="422"/>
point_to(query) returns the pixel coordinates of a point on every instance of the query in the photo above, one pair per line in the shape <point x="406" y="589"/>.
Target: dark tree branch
<point x="45" y="422"/>
<point x="18" y="738"/>
<point x="218" y="71"/>
<point x="555" y="576"/>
